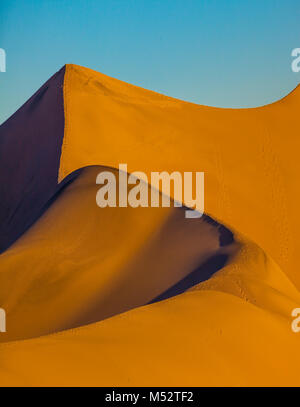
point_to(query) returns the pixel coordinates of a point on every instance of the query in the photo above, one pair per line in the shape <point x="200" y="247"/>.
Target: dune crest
<point x="150" y="296"/>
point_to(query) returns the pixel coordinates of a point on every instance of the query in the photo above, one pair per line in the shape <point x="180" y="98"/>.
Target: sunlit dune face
<point x="105" y="260"/>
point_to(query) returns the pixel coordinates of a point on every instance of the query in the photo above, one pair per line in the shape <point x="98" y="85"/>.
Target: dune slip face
<point x="30" y="146"/>
<point x="151" y="296"/>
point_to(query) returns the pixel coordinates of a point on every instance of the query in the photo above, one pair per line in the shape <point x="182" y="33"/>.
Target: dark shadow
<point x="205" y="270"/>
<point x="59" y="189"/>
<point x="203" y="273"/>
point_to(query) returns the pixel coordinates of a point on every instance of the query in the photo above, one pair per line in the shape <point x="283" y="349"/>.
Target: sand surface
<point x="144" y="296"/>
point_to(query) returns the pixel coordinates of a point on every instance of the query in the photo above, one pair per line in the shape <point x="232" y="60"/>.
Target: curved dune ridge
<point x="145" y="296"/>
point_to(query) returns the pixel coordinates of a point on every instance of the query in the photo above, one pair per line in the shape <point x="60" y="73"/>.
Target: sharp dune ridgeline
<point x="143" y="296"/>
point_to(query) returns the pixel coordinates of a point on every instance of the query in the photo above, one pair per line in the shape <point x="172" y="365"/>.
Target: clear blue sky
<point x="229" y="53"/>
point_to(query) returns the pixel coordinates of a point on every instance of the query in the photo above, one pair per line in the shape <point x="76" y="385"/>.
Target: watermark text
<point x="2" y="320"/>
<point x="2" y="60"/>
<point x="188" y="189"/>
<point x="296" y="61"/>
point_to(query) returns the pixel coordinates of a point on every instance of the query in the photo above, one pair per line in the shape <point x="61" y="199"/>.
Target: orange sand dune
<point x="90" y="293"/>
<point x="115" y="260"/>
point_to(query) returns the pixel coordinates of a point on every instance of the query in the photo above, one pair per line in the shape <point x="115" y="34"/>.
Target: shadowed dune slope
<point x="30" y="146"/>
<point x="144" y="296"/>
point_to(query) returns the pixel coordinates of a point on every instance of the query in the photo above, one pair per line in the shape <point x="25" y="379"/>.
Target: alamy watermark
<point x="2" y="60"/>
<point x="2" y="320"/>
<point x="296" y="61"/>
<point x="296" y="322"/>
<point x="159" y="187"/>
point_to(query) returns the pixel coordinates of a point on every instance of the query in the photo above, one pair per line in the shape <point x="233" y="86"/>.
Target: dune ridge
<point x="144" y="296"/>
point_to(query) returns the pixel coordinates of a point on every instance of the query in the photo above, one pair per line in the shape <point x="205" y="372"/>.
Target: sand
<point x="144" y="296"/>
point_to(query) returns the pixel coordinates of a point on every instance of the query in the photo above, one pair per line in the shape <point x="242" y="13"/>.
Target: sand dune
<point x="144" y="296"/>
<point x="114" y="260"/>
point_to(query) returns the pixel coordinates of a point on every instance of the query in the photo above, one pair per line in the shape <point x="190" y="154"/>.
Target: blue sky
<point x="228" y="53"/>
